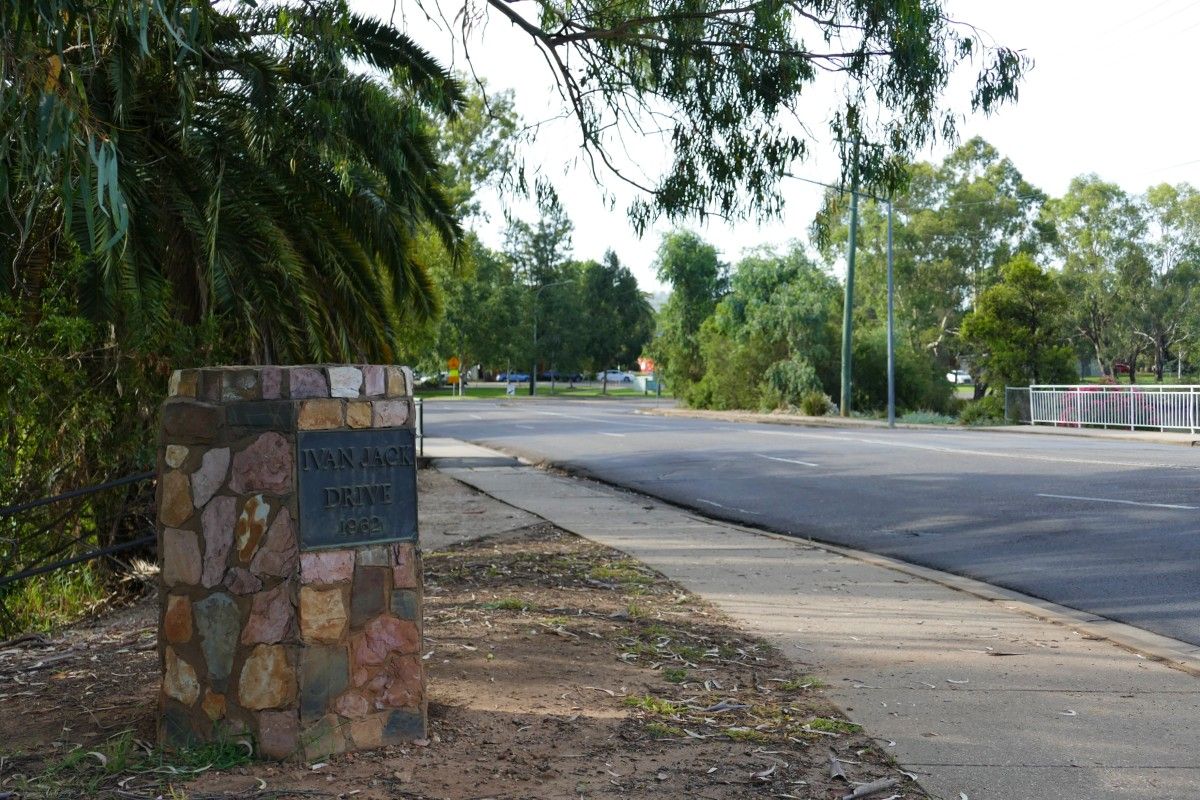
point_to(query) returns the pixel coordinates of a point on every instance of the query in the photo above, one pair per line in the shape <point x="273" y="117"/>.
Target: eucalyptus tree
<point x="1167" y="301"/>
<point x="228" y="161"/>
<point x="721" y="84"/>
<point x="698" y="280"/>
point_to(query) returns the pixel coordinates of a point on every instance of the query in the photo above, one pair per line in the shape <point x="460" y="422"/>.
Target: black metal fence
<point x="49" y="534"/>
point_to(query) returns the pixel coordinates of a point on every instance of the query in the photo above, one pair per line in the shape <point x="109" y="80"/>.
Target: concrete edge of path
<point x="1144" y="437"/>
<point x="1171" y="652"/>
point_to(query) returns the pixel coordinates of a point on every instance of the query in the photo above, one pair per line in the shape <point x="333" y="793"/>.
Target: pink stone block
<point x="306" y="382"/>
<point x="217" y="522"/>
<point x="180" y="557"/>
<point x="278" y="733"/>
<point x="326" y="566"/>
<point x="272" y="617"/>
<point x="272" y="380"/>
<point x="390" y="413"/>
<point x="264" y="466"/>
<point x="404" y="571"/>
<point x="373" y="381"/>
<point x="382" y="637"/>
<point x="278" y="554"/>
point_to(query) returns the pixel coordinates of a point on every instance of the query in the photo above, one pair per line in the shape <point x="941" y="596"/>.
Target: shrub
<point x="920" y="382"/>
<point x="815" y="403"/>
<point x="987" y="410"/>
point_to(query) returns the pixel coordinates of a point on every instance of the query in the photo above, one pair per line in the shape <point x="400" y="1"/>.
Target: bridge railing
<point x="1153" y="407"/>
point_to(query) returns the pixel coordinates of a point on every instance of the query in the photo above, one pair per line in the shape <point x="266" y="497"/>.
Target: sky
<point x="1110" y="93"/>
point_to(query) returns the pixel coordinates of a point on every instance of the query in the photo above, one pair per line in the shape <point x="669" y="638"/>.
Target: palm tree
<point x="230" y="166"/>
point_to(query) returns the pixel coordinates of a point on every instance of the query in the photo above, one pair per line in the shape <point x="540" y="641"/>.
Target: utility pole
<point x="848" y="308"/>
<point x="891" y="327"/>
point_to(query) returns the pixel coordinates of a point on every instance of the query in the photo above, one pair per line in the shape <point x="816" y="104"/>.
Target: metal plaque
<point x="356" y="487"/>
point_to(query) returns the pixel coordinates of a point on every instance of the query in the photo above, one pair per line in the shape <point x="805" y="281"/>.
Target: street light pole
<point x="891" y="328"/>
<point x="848" y="306"/>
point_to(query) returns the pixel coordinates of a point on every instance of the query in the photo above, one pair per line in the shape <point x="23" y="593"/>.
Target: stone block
<point x="175" y="455"/>
<point x="368" y="732"/>
<point x="405" y="683"/>
<point x="396" y="386"/>
<point x="324" y="674"/>
<point x="277" y="555"/>
<point x="180" y="557"/>
<point x="368" y="595"/>
<point x="176" y="727"/>
<point x="206" y="480"/>
<point x="272" y="617"/>
<point x="239" y="385"/>
<point x="306" y="382"/>
<point x="240" y="581"/>
<point x="390" y="413"/>
<point x="353" y="705"/>
<point x="211" y="385"/>
<point x="318" y="415"/>
<point x="374" y="382"/>
<point x="358" y="414"/>
<point x="218" y="623"/>
<point x="404" y="726"/>
<point x="326" y="737"/>
<point x="264" y="466"/>
<point x="405" y="574"/>
<point x="250" y="527"/>
<point x="405" y="604"/>
<point x="322" y="615"/>
<point x="177" y="620"/>
<point x="278" y="734"/>
<point x="191" y="421"/>
<point x="272" y="382"/>
<point x="213" y="705"/>
<point x="179" y="678"/>
<point x="377" y="555"/>
<point x="381" y="638"/>
<point x="326" y="566"/>
<point x="217" y="522"/>
<point x="267" y="679"/>
<point x="276" y="414"/>
<point x="345" y="382"/>
<point x="175" y="499"/>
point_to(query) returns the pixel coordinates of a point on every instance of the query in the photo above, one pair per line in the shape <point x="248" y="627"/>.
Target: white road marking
<point x="475" y="416"/>
<point x="727" y="508"/>
<point x="788" y="460"/>
<point x="526" y="427"/>
<point x="965" y="452"/>
<point x="1122" y="502"/>
<point x="606" y="433"/>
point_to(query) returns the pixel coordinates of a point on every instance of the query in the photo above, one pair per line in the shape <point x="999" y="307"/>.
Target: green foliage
<point x="249" y="169"/>
<point x="815" y="403"/>
<point x="1016" y="334"/>
<point x="726" y="76"/>
<point x="698" y="279"/>
<point x="920" y="383"/>
<point x="987" y="410"/>
<point x="926" y="418"/>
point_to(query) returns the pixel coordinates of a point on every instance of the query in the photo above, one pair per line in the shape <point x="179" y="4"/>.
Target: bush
<point x="815" y="403"/>
<point x="920" y="382"/>
<point x="987" y="410"/>
<point x="786" y="383"/>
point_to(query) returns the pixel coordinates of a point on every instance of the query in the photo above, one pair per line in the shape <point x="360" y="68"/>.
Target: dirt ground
<point x="557" y="668"/>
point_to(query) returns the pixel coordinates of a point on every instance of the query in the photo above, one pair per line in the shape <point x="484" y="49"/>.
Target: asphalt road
<point x="1111" y="528"/>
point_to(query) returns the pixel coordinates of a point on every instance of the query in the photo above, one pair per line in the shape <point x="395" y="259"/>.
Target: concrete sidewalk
<point x="1112" y="434"/>
<point x="971" y="688"/>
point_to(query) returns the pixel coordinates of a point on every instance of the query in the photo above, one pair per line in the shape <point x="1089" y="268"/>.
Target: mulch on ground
<point x="557" y="669"/>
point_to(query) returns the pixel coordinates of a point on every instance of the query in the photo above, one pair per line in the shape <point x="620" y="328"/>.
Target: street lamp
<point x="533" y="372"/>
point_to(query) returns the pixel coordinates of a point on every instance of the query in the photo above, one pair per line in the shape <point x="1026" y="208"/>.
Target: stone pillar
<point x="291" y="578"/>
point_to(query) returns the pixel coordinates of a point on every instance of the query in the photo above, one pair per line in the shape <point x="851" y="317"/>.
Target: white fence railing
<point x="1165" y="408"/>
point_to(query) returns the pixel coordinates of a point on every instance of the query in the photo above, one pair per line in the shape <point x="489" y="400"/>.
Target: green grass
<point x="653" y="705"/>
<point x="801" y="683"/>
<point x="507" y="604"/>
<point x="661" y="730"/>
<point x="833" y="725"/>
<point x="747" y="735"/>
<point x="57" y="598"/>
<point x="672" y="675"/>
<point x="623" y="572"/>
<point x="1146" y="378"/>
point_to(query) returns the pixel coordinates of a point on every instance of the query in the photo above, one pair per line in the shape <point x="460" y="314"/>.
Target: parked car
<point x="959" y="376"/>
<point x="513" y="377"/>
<point x="556" y="375"/>
<point x="614" y="376"/>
